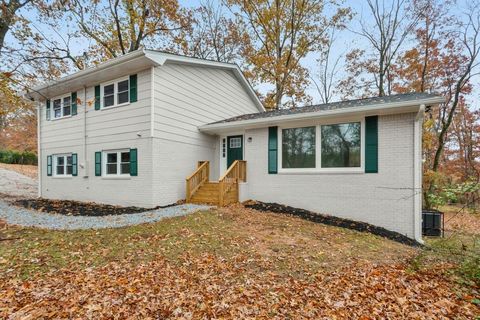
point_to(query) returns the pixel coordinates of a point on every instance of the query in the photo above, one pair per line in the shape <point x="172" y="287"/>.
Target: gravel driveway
<point x="17" y="184"/>
<point x="29" y="218"/>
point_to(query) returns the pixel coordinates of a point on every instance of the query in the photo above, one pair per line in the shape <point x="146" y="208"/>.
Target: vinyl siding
<point x="385" y="198"/>
<point x="121" y="127"/>
<point x="187" y="97"/>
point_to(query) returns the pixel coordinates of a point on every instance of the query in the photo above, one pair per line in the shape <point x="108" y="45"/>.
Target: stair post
<point x="220" y="193"/>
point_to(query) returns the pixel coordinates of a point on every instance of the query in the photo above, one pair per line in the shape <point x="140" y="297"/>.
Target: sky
<point x="345" y="41"/>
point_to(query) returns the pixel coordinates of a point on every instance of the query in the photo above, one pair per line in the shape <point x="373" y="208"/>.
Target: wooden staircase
<point x="222" y="192"/>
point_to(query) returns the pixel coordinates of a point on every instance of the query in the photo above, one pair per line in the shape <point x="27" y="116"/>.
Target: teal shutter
<point x="371" y="144"/>
<point x="133" y="162"/>
<point x="133" y="88"/>
<point x="97" y="97"/>
<point x="74" y="164"/>
<point x="47" y="110"/>
<point x="272" y="150"/>
<point x="98" y="163"/>
<point x="74" y="103"/>
<point x="49" y="165"/>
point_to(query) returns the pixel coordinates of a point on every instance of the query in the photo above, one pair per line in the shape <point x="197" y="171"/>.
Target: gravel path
<point x="16" y="184"/>
<point x="29" y="218"/>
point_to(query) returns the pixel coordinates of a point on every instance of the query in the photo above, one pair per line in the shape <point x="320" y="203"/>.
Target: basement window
<point x="63" y="165"/>
<point x="117" y="163"/>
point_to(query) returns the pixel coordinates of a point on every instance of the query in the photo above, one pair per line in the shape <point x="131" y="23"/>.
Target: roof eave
<point x="75" y="80"/>
<point x="379" y="109"/>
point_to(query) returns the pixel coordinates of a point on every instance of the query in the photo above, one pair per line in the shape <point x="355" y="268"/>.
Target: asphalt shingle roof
<point x="406" y="97"/>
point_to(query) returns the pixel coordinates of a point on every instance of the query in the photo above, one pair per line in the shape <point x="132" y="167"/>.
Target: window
<point x="298" y="147"/>
<point x="62" y="107"/>
<point x="63" y="165"/>
<point x="122" y="89"/>
<point x="335" y="147"/>
<point x="341" y="145"/>
<point x="57" y="108"/>
<point x="108" y="96"/>
<point x="67" y="106"/>
<point x="235" y="142"/>
<point x="224" y="145"/>
<point x="117" y="162"/>
<point x="115" y="94"/>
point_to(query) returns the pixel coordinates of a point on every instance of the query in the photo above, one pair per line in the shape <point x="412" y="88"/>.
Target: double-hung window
<point x="116" y="93"/>
<point x="323" y="147"/>
<point x="62" y="107"/>
<point x="63" y="165"/>
<point x="117" y="162"/>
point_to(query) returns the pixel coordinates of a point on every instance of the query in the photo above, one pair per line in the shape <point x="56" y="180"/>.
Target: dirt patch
<point x="331" y="221"/>
<point x="77" y="208"/>
<point x="293" y="241"/>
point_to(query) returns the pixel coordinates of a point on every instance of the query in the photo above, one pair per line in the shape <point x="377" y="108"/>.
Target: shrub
<point x="17" y="157"/>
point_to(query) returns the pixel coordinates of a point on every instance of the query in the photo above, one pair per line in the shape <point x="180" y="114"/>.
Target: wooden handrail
<point x="197" y="179"/>
<point x="237" y="171"/>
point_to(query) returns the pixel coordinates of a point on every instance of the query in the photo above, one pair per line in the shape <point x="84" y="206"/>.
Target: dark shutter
<point x="97" y="97"/>
<point x="74" y="164"/>
<point x="49" y="165"/>
<point x="47" y="110"/>
<point x="371" y="144"/>
<point x="133" y="162"/>
<point x="98" y="163"/>
<point x="272" y="150"/>
<point x="74" y="103"/>
<point x="133" y="88"/>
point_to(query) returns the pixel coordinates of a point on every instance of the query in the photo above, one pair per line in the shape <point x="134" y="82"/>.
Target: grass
<point x="293" y="243"/>
<point x="460" y="247"/>
<point x="233" y="263"/>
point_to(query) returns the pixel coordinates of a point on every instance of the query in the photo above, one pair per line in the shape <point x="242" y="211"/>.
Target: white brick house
<point x="131" y="130"/>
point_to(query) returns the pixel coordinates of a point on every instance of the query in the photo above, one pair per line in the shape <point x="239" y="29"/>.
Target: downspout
<point x="85" y="167"/>
<point x="152" y="133"/>
<point x="39" y="150"/>
<point x="418" y="173"/>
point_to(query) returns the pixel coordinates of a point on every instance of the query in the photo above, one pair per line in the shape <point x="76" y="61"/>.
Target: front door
<point x="234" y="149"/>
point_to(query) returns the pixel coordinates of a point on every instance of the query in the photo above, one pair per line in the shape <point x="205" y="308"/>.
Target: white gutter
<point x="85" y="167"/>
<point x="418" y="173"/>
<point x="39" y="150"/>
<point x="369" y="109"/>
<point x="152" y="102"/>
<point x="87" y="72"/>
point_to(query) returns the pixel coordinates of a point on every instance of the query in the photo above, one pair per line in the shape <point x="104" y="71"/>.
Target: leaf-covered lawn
<point x="230" y="263"/>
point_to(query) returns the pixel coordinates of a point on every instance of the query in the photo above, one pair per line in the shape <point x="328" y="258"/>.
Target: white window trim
<point x="318" y="148"/>
<point x="52" y="108"/>
<point x="115" y="93"/>
<point x="118" y="175"/>
<point x="54" y="166"/>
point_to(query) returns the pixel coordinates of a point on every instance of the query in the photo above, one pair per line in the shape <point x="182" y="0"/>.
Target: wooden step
<point x="207" y="193"/>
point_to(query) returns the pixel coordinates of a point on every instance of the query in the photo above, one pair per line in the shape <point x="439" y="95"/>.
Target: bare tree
<point x="469" y="35"/>
<point x="391" y="28"/>
<point x="214" y="36"/>
<point x="328" y="68"/>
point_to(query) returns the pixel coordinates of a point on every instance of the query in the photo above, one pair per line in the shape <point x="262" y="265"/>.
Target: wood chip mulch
<point x="77" y="208"/>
